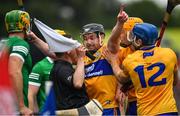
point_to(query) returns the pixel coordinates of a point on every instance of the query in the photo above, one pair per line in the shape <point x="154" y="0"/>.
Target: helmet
<point x="148" y="33"/>
<point x="17" y="21"/>
<point x="129" y="24"/>
<point x="92" y="27"/>
<point x="61" y="32"/>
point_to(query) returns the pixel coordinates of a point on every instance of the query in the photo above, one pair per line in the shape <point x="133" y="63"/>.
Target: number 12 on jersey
<point x="151" y="81"/>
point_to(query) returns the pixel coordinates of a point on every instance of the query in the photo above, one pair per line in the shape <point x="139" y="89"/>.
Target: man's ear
<point x="138" y="42"/>
<point x="102" y="36"/>
<point x="101" y="39"/>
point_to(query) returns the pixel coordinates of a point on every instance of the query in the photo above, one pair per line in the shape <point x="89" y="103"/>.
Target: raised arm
<point x="114" y="40"/>
<point x="39" y="43"/>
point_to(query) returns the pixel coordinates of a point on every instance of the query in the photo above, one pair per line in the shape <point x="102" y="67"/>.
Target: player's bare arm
<point x="121" y="74"/>
<point x="114" y="40"/>
<point x="79" y="73"/>
<point x="32" y="93"/>
<point x="15" y="66"/>
<point x="40" y="44"/>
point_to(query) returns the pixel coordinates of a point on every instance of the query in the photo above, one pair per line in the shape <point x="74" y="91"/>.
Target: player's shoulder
<point x="125" y="51"/>
<point x="129" y="58"/>
<point x="16" y="41"/>
<point x="42" y="62"/>
<point x="167" y="51"/>
<point x="134" y="56"/>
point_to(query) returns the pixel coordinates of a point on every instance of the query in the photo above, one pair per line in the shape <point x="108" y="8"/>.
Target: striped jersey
<point x="100" y="81"/>
<point x="20" y="48"/>
<point x="38" y="76"/>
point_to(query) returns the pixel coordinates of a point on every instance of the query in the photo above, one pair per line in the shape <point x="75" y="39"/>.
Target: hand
<point x="81" y="51"/>
<point x="111" y="58"/>
<point x="32" y="36"/>
<point x="123" y="101"/>
<point x="122" y="16"/>
<point x="120" y="96"/>
<point x="25" y="111"/>
<point x="127" y="86"/>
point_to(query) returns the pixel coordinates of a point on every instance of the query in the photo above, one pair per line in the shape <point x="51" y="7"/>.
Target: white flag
<point x="56" y="42"/>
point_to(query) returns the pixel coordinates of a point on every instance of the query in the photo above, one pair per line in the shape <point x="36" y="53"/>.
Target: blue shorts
<point x="132" y="108"/>
<point x="111" y="111"/>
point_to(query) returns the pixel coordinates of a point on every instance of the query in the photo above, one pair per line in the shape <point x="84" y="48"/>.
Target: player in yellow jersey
<point x="99" y="78"/>
<point x="128" y="48"/>
<point x="153" y="71"/>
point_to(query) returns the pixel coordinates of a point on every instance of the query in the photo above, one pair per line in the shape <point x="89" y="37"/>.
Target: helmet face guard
<point x="17" y="21"/>
<point x="130" y="36"/>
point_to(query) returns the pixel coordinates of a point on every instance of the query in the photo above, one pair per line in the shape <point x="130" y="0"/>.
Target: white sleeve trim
<point x="50" y="60"/>
<point x="20" y="49"/>
<point x="34" y="76"/>
<point x="35" y="84"/>
<point x="18" y="55"/>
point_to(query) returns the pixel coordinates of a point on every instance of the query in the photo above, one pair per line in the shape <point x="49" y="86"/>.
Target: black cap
<point x="92" y="27"/>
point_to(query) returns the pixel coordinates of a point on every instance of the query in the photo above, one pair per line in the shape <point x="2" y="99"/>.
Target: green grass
<point x="171" y="36"/>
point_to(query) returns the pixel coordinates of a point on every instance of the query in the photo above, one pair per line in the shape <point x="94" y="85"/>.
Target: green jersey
<point x="38" y="77"/>
<point x="20" y="48"/>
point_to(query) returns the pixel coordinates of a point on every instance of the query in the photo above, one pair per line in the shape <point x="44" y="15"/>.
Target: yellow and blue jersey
<point x="152" y="73"/>
<point x="100" y="81"/>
